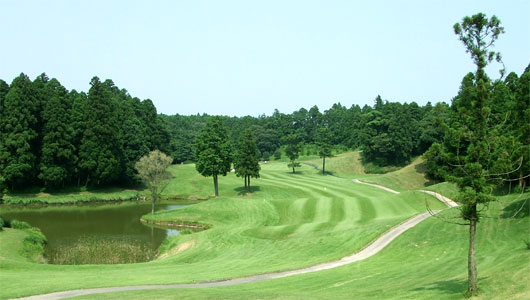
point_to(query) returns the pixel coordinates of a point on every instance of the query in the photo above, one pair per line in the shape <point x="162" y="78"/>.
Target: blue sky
<point x="249" y="57"/>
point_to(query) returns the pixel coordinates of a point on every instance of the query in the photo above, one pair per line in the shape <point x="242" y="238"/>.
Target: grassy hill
<point x="427" y="262"/>
<point x="296" y="220"/>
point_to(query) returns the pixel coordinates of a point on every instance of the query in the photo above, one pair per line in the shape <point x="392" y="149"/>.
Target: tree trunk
<point x="293" y="170"/>
<point x="153" y="205"/>
<point x="87" y="179"/>
<point x="215" y="185"/>
<point x="248" y="185"/>
<point x="471" y="262"/>
<point x="324" y="165"/>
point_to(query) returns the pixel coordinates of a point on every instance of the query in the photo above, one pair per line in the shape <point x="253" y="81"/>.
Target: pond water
<point x="65" y="225"/>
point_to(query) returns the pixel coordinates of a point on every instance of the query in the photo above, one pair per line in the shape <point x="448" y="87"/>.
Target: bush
<point x="16" y="224"/>
<point x="266" y="155"/>
<point x="277" y="154"/>
<point x="35" y="237"/>
<point x="2" y="224"/>
<point x="186" y="231"/>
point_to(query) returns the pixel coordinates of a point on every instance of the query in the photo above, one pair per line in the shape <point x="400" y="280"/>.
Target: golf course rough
<point x="290" y="221"/>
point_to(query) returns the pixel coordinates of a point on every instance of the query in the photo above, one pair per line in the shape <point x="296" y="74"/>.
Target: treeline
<point x="54" y="137"/>
<point x="390" y="133"/>
<point x="506" y="114"/>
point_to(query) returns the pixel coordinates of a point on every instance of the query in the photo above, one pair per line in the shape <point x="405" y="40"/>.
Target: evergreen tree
<point x="134" y="140"/>
<point x="58" y="152"/>
<point x="99" y="152"/>
<point x="521" y="127"/>
<point x="213" y="151"/>
<point x="78" y="128"/>
<point x="324" y="143"/>
<point x="19" y="138"/>
<point x="293" y="146"/>
<point x="158" y="137"/>
<point x="478" y="34"/>
<point x="246" y="161"/>
<point x="4" y="88"/>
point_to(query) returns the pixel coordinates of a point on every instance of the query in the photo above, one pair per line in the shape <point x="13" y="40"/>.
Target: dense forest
<point x="53" y="137"/>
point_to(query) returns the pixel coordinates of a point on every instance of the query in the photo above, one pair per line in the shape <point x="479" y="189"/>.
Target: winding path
<point x="370" y="250"/>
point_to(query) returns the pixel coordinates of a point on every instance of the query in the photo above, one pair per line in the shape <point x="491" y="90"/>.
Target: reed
<point x="89" y="250"/>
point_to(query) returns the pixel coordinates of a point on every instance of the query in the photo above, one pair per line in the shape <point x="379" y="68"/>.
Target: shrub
<point x="277" y="154"/>
<point x="16" y="224"/>
<point x="266" y="155"/>
<point x="186" y="231"/>
<point x="2" y="224"/>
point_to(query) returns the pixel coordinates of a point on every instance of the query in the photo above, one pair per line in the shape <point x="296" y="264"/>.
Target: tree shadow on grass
<point x="241" y="190"/>
<point x="448" y="287"/>
<point x="519" y="209"/>
<point x="296" y="173"/>
<point x="420" y="168"/>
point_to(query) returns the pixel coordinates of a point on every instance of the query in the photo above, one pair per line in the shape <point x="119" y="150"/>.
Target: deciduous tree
<point x="152" y="169"/>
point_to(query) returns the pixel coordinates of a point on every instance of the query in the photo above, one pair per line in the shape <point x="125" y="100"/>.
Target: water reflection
<point x="64" y="225"/>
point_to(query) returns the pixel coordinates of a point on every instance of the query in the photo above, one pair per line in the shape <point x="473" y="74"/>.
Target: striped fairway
<point x="291" y="221"/>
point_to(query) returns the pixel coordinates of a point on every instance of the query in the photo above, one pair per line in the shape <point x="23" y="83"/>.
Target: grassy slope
<point x="196" y="187"/>
<point x="290" y="221"/>
<point x="426" y="262"/>
<point x="347" y="165"/>
<point x="411" y="177"/>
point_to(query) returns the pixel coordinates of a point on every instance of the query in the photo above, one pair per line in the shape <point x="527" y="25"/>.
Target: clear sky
<point x="250" y="57"/>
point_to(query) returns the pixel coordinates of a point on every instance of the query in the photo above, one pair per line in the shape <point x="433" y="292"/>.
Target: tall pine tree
<point x="19" y="138"/>
<point x="246" y="162"/>
<point x="58" y="151"/>
<point x="99" y="152"/>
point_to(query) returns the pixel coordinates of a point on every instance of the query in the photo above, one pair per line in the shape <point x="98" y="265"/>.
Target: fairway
<point x="290" y="221"/>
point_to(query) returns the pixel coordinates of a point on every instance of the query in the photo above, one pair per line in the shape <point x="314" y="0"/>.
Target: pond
<point x="68" y="227"/>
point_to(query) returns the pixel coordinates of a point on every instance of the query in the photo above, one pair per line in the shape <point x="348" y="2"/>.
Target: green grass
<point x="71" y="197"/>
<point x="410" y="177"/>
<point x="296" y="220"/>
<point x="289" y="221"/>
<point x="347" y="165"/>
<point x="196" y="187"/>
<point x="426" y="262"/>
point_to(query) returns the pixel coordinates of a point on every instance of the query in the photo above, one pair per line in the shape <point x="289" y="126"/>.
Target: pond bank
<point x="176" y="224"/>
<point x="72" y="230"/>
<point x="97" y="201"/>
